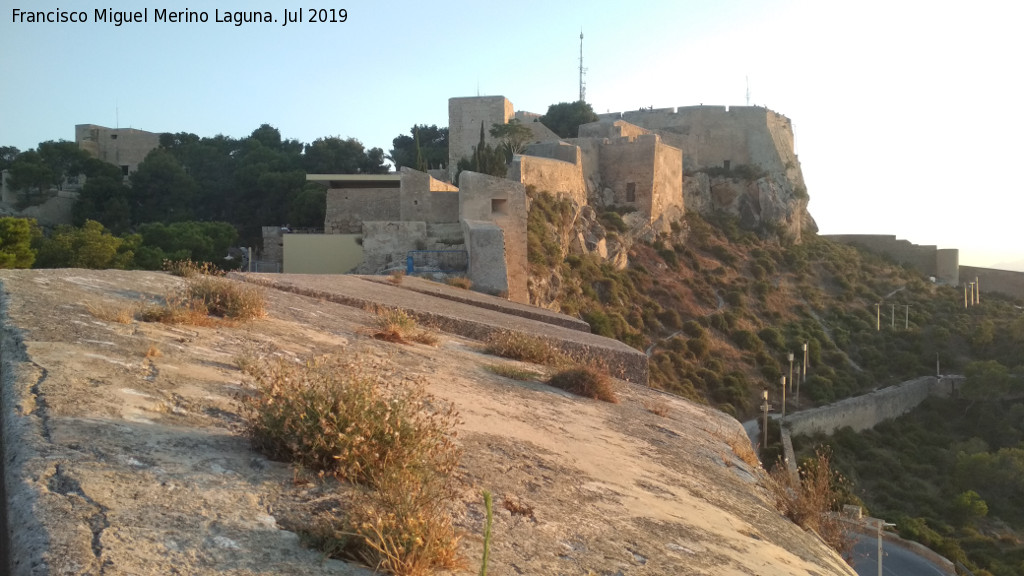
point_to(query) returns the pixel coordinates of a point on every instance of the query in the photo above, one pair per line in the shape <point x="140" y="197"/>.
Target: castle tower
<point x="464" y="118"/>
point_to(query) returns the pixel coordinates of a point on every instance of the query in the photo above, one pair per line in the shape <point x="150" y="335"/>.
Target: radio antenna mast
<point x="748" y="90"/>
<point x="583" y="86"/>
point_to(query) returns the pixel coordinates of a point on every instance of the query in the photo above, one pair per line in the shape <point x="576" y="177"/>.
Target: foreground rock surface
<point x="123" y="451"/>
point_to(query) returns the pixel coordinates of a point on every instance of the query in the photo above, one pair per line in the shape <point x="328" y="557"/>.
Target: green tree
<point x="514" y="137"/>
<point x="565" y="118"/>
<point x="985" y="380"/>
<point x="16" y="242"/>
<point x="30" y="178"/>
<point x="7" y="156"/>
<point x="309" y="208"/>
<point x="196" y="241"/>
<point x="161" y="190"/>
<point x="91" y="246"/>
<point x="486" y="159"/>
<point x="433" y="147"/>
<point x="335" y="155"/>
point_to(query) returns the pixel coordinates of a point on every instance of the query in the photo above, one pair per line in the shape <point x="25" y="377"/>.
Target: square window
<point x="499" y="206"/>
<point x="113" y="136"/>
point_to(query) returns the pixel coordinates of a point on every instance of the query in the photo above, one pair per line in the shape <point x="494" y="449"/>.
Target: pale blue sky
<point x="906" y="114"/>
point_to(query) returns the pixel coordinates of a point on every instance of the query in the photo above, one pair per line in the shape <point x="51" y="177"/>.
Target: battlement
<point x="735" y="111"/>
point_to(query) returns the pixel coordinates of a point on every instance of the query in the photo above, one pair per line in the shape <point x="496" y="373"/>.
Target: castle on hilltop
<point x="652" y="163"/>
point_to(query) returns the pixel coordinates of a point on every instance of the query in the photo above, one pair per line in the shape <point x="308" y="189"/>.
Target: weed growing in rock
<point x="348" y="418"/>
<point x="811" y="501"/>
<point x="204" y="297"/>
<point x="586" y="381"/>
<point x="512" y="372"/>
<point x="657" y="407"/>
<point x="189" y="269"/>
<point x="113" y="313"/>
<point x="523" y="347"/>
<point x="459" y="282"/>
<point x="396" y="325"/>
<point x="227" y="298"/>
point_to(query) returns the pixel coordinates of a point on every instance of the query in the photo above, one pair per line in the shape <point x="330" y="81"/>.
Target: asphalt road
<point x="896" y="561"/>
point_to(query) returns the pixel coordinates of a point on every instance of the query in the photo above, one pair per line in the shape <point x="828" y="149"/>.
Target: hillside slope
<point x="124" y="449"/>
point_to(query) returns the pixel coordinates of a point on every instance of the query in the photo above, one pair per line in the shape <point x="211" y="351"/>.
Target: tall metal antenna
<point x="748" y="90"/>
<point x="583" y="86"/>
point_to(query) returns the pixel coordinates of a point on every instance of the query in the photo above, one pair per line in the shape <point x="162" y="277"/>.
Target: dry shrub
<point x="586" y="381"/>
<point x="743" y="450"/>
<point x="396" y="277"/>
<point x="188" y="268"/>
<point x="523" y="347"/>
<point x="811" y="501"/>
<point x="113" y="313"/>
<point x="657" y="407"/>
<point x="512" y="372"/>
<point x="228" y="298"/>
<point x="348" y="418"/>
<point x="396" y="325"/>
<point x="459" y="282"/>
<point x="178" y="310"/>
<point x="153" y="352"/>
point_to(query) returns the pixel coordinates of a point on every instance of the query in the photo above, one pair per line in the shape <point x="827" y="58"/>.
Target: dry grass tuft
<point x="812" y="501"/>
<point x="122" y="314"/>
<point x="189" y="269"/>
<point x="657" y="407"/>
<point x="459" y="282"/>
<point x="228" y="298"/>
<point x="396" y="325"/>
<point x="207" y="296"/>
<point x="517" y="507"/>
<point x="347" y="417"/>
<point x="526" y="348"/>
<point x="512" y="372"/>
<point x="153" y="352"/>
<point x="396" y="276"/>
<point x="744" y="451"/>
<point x="586" y="381"/>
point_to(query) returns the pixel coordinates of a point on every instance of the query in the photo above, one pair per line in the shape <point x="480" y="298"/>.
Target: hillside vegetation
<point x="718" y="308"/>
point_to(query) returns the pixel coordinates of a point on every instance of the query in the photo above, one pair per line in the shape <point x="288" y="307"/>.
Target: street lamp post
<point x="881" y="524"/>
<point x="765" y="406"/>
<point x="790" y="356"/>
<point x="798" y="379"/>
<point x="783" y="398"/>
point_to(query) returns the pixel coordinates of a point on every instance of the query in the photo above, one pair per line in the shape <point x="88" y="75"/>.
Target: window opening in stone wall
<point x="499" y="205"/>
<point x="631" y="192"/>
<point x="124" y="169"/>
<point x="113" y="136"/>
<point x="725" y="164"/>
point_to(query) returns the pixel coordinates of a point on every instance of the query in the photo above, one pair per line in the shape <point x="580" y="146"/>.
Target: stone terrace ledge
<point x="465" y="319"/>
<point x="485" y="301"/>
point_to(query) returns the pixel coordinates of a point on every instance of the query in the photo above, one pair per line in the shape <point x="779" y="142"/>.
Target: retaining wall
<point x="867" y="411"/>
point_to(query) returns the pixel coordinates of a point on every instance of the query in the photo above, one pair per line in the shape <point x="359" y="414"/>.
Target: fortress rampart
<point x="715" y="135"/>
<point x="943" y="264"/>
<point x="992" y="280"/>
<point x="869" y="410"/>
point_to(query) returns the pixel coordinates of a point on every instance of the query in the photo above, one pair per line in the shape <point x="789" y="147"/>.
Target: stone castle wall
<point x="124" y="147"/>
<point x="711" y="135"/>
<point x="464" y="118"/>
<point x="869" y="410"/>
<point x="501" y="202"/>
<point x="347" y="209"/>
<point x="553" y="167"/>
<point x="424" y="198"/>
<point x="928" y="260"/>
<point x="992" y="280"/>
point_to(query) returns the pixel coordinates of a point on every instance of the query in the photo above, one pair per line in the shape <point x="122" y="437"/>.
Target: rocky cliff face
<point x="773" y="201"/>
